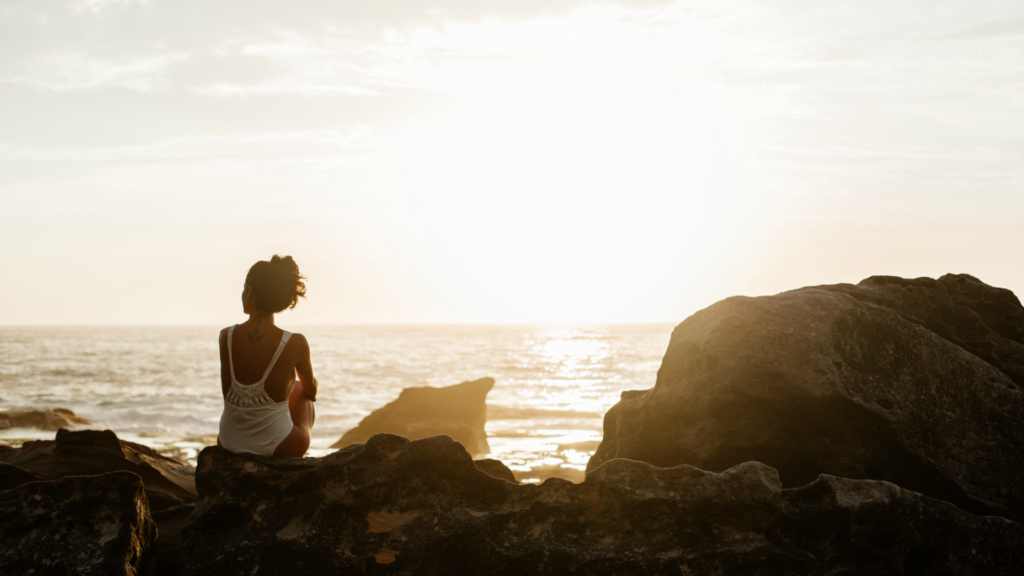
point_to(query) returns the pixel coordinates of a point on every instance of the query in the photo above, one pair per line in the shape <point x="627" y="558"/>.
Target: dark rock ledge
<point x="82" y="525"/>
<point x="169" y="484"/>
<point x="392" y="506"/>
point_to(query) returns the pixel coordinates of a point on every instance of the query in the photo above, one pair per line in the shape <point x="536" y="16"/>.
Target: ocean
<point x="160" y="386"/>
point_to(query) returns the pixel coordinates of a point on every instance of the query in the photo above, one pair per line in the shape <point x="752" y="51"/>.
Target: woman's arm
<point x="225" y="366"/>
<point x="305" y="368"/>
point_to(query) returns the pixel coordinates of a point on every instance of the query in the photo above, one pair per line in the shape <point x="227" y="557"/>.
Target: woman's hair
<point x="276" y="284"/>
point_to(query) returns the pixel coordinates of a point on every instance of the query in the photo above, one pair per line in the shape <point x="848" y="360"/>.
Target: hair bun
<point x="276" y="284"/>
<point x="284" y="264"/>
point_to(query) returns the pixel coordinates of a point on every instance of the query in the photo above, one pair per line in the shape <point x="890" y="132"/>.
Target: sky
<point x="519" y="161"/>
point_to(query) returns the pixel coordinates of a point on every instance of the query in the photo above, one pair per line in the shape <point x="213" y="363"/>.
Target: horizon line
<point x="358" y="324"/>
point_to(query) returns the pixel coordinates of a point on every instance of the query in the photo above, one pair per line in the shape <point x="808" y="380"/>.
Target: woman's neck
<point x="259" y="317"/>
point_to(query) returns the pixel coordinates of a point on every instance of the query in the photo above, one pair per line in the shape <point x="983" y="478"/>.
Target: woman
<point x="266" y="411"/>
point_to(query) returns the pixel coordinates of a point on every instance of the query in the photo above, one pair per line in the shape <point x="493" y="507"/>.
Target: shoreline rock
<point x="394" y="506"/>
<point x="78" y="525"/>
<point x="168" y="482"/>
<point x="916" y="382"/>
<point x="458" y="411"/>
<point x="52" y="419"/>
<point x="496" y="469"/>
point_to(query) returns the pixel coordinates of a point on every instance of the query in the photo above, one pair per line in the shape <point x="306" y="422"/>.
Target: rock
<point x="168" y="482"/>
<point x="391" y="506"/>
<point x="917" y="382"/>
<point x="998" y="308"/>
<point x="51" y="419"/>
<point x="169" y="523"/>
<point x="458" y="411"/>
<point x="77" y="525"/>
<point x="495" y="469"/>
<point x="12" y="477"/>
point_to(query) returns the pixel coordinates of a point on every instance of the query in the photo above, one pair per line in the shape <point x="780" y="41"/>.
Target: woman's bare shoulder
<point x="299" y="340"/>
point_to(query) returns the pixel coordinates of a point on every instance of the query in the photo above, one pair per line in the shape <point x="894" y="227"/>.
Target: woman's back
<point x="256" y="354"/>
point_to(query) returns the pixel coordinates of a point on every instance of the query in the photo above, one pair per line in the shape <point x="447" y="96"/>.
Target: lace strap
<point x="250" y="396"/>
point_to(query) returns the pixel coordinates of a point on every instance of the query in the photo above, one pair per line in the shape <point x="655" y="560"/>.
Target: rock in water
<point x="391" y="506"/>
<point x="458" y="411"/>
<point x="51" y="419"/>
<point x="168" y="482"/>
<point x="77" y="525"/>
<point x="917" y="382"/>
<point x="495" y="469"/>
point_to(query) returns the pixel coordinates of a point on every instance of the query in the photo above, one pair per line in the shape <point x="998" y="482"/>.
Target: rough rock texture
<point x="77" y="525"/>
<point x="391" y="506"/>
<point x="51" y="419"/>
<point x="168" y="482"/>
<point x="458" y="411"/>
<point x="918" y="382"/>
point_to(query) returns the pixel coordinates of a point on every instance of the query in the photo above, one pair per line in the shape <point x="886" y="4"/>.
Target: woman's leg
<point x="303" y="414"/>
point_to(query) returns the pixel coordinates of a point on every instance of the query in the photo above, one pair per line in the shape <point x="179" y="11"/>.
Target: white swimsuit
<point x="252" y="422"/>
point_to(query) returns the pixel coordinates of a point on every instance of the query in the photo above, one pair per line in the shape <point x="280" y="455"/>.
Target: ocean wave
<point x="529" y="413"/>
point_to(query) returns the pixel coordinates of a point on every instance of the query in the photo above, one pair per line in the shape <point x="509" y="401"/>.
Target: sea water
<point x="160" y="386"/>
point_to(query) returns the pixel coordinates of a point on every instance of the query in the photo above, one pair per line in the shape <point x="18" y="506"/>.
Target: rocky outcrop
<point x="458" y="411"/>
<point x="495" y="469"/>
<point x="51" y="419"/>
<point x="168" y="482"/>
<point x="916" y="382"/>
<point x="77" y="525"/>
<point x="391" y="506"/>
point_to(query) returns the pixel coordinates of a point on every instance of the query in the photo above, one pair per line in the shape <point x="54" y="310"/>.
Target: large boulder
<point x="458" y="411"/>
<point x="52" y="419"/>
<point x="391" y="506"/>
<point x="77" y="525"/>
<point x="917" y="382"/>
<point x="169" y="483"/>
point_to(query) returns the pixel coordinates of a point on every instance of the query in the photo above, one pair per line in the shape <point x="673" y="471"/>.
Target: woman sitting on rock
<point x="266" y="411"/>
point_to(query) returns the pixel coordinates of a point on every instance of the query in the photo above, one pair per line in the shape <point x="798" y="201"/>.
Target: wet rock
<point x="458" y="411"/>
<point x="495" y="469"/>
<point x="50" y="419"/>
<point x="391" y="506"/>
<point x="168" y="482"/>
<point x="77" y="525"/>
<point x="917" y="382"/>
